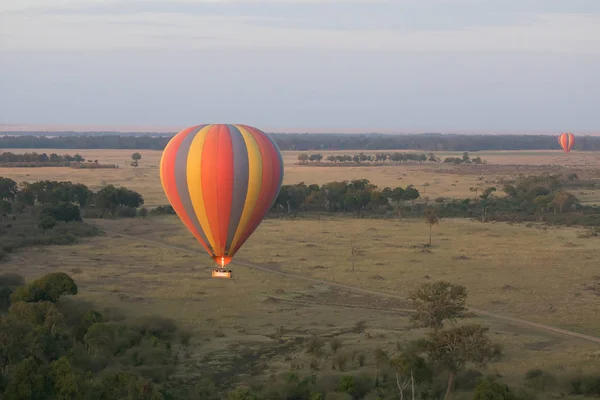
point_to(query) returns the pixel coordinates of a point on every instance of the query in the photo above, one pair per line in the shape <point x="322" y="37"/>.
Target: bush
<point x="539" y="380"/>
<point x="163" y="210"/>
<point x="126" y="212"/>
<point x="489" y="389"/>
<point x="585" y="384"/>
<point x="160" y="327"/>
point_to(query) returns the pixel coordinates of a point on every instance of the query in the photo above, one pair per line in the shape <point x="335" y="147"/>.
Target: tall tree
<point x="136" y="157"/>
<point x="431" y="218"/>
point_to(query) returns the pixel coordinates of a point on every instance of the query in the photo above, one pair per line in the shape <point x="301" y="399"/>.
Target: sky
<point x="519" y="66"/>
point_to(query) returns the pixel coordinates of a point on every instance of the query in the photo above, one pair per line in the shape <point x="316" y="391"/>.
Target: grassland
<point x="544" y="274"/>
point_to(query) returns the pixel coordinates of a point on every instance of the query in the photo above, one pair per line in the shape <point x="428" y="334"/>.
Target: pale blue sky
<point x="423" y="65"/>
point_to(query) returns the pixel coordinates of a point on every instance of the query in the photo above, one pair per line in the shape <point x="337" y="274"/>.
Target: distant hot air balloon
<point x="566" y="141"/>
<point x="221" y="180"/>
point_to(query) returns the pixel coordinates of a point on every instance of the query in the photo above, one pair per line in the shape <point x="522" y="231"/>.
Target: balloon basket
<point x="221" y="273"/>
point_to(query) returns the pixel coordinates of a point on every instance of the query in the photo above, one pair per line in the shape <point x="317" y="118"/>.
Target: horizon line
<point x="171" y="129"/>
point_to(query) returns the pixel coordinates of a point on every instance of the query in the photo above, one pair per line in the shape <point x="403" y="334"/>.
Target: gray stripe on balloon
<point x="182" y="185"/>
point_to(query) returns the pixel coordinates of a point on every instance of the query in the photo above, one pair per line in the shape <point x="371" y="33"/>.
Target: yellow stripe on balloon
<point x="254" y="184"/>
<point x="194" y="181"/>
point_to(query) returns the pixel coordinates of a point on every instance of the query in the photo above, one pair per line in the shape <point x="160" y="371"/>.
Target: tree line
<point x="545" y="197"/>
<point x="107" y="200"/>
<point x="310" y="141"/>
<point x="50" y="212"/>
<point x="357" y="196"/>
<point x="382" y="158"/>
<point x="53" y="158"/>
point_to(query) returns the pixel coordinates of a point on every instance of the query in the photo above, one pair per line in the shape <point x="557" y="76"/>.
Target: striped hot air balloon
<point x="566" y="141"/>
<point x="221" y="180"/>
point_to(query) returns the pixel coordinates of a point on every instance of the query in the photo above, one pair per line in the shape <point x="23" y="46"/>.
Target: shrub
<point x="126" y="212"/>
<point x="539" y="380"/>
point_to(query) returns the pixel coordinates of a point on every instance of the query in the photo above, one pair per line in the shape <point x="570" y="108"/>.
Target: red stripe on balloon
<point x="224" y="183"/>
<point x="209" y="182"/>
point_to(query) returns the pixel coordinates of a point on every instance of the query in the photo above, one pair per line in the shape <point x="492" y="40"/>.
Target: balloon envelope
<point x="566" y="141"/>
<point x="221" y="180"/>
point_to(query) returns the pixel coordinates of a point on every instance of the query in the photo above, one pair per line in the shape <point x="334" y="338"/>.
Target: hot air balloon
<point x="221" y="180"/>
<point x="566" y="141"/>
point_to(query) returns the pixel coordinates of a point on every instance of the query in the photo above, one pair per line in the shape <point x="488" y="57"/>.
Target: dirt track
<point x="477" y="311"/>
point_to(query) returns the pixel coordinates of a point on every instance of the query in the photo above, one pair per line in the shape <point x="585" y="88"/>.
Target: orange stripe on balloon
<point x="209" y="182"/>
<point x="168" y="180"/>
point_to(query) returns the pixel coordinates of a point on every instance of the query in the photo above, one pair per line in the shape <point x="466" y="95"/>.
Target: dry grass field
<point x="549" y="275"/>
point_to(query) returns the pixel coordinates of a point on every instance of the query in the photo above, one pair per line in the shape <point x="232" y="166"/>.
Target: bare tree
<point x="431" y="218"/>
<point x="353" y="250"/>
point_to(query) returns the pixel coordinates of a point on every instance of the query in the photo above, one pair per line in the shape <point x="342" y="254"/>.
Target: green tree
<point x="136" y="157"/>
<point x="27" y="382"/>
<point x="303" y="157"/>
<point x="48" y="288"/>
<point x="438" y="302"/>
<point x="411" y="194"/>
<point x="491" y="390"/>
<point x="453" y="350"/>
<point x="46" y="222"/>
<point x="8" y="189"/>
<point x="67" y="385"/>
<point x="410" y="368"/>
<point x="127" y="385"/>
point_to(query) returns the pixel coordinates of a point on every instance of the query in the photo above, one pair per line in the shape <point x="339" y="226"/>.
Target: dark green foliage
<point x="8" y="189"/>
<point x="46" y="222"/>
<point x="355" y="386"/>
<point x="56" y="348"/>
<point x="66" y="212"/>
<point x="361" y="158"/>
<point x="50" y="212"/>
<point x="357" y="197"/>
<point x="163" y="210"/>
<point x="585" y="384"/>
<point x="27" y="381"/>
<point x="110" y="198"/>
<point x="48" y="288"/>
<point x="8" y="283"/>
<point x="35" y="159"/>
<point x="540" y="380"/>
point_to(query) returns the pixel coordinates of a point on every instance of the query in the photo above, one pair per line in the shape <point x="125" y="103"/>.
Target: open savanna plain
<point x="261" y="322"/>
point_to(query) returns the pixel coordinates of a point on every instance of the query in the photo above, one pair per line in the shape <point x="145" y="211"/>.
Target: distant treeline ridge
<point x="303" y="141"/>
